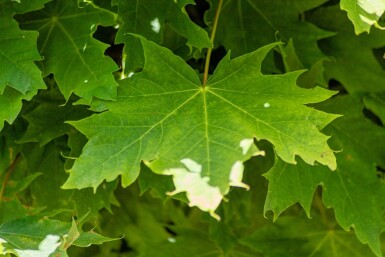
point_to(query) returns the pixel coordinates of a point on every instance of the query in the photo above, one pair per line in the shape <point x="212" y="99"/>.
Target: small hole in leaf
<point x="196" y="12"/>
<point x="107" y="35"/>
<point x="115" y="52"/>
<point x="331" y="2"/>
<point x="337" y="86"/>
<point x="379" y="54"/>
<point x="124" y="247"/>
<point x="216" y="57"/>
<point x="380" y="172"/>
<point x="371" y="116"/>
<point x="170" y="231"/>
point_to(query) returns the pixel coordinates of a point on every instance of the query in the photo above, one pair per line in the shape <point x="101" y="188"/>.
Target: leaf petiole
<point x="212" y="37"/>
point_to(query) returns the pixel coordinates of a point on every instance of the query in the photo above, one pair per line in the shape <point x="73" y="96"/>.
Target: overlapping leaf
<point x="47" y="120"/>
<point x="355" y="65"/>
<point x="149" y="19"/>
<point x="363" y="13"/>
<point x="354" y="190"/>
<point x="18" y="52"/>
<point x="246" y="25"/>
<point x="201" y="136"/>
<point x="13" y="180"/>
<point x="293" y="236"/>
<point x="376" y="103"/>
<point x="70" y="53"/>
<point x="11" y="104"/>
<point x="28" y="6"/>
<point x="46" y="162"/>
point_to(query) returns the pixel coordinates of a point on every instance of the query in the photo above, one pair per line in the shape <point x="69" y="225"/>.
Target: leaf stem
<point x="7" y="176"/>
<point x="212" y="37"/>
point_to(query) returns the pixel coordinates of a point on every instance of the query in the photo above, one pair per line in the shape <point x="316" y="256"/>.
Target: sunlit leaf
<point x="363" y="13"/>
<point x="202" y="135"/>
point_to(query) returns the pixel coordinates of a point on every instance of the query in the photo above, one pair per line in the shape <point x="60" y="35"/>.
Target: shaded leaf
<point x="376" y="103"/>
<point x="47" y="161"/>
<point x="293" y="236"/>
<point x="47" y="120"/>
<point x="149" y="180"/>
<point x="354" y="190"/>
<point x="355" y="66"/>
<point x="14" y="202"/>
<point x="310" y="78"/>
<point x="154" y="228"/>
<point x="247" y="25"/>
<point x="149" y="19"/>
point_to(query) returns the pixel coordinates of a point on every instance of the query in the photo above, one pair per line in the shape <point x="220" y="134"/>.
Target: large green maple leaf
<point x="245" y="25"/>
<point x="363" y="13"/>
<point x="70" y="52"/>
<point x="354" y="190"/>
<point x="200" y="135"/>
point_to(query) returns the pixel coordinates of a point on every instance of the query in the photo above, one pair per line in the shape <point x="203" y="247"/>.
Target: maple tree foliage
<point x="192" y="128"/>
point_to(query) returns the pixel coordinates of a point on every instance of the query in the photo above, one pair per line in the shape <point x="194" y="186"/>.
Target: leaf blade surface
<point x="201" y="136"/>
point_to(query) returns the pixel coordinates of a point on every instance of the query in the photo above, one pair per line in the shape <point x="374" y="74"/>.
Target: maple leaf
<point x="18" y="58"/>
<point x="355" y="65"/>
<point x="70" y="53"/>
<point x="300" y="237"/>
<point x="255" y="23"/>
<point x="11" y="104"/>
<point x="363" y="14"/>
<point x="199" y="135"/>
<point x="347" y="189"/>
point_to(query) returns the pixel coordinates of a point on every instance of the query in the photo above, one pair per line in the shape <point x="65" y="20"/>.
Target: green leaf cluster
<point x="192" y="128"/>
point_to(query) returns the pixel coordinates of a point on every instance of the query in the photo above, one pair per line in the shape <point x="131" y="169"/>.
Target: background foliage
<point x="113" y="142"/>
